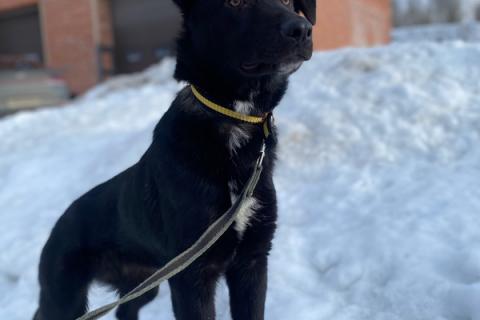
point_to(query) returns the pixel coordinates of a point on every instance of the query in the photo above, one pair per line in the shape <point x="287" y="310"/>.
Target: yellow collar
<point x="225" y="111"/>
<point x="266" y="120"/>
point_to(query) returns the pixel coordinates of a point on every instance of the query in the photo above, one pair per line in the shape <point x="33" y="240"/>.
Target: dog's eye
<point x="286" y="2"/>
<point x="236" y="3"/>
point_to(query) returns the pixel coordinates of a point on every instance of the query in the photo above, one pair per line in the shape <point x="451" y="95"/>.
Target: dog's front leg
<point x="247" y="282"/>
<point x="193" y="297"/>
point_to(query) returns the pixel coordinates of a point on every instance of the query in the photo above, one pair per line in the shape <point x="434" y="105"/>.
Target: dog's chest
<point x="247" y="210"/>
<point x="239" y="136"/>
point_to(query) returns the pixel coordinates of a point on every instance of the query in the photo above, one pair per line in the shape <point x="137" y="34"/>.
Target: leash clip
<point x="252" y="184"/>
<point x="262" y="155"/>
<point x="268" y="123"/>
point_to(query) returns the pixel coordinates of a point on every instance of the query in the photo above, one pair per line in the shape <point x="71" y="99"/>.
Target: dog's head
<point x="247" y="38"/>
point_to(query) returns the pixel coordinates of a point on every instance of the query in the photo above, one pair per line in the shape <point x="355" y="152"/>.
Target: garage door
<point x="20" y="37"/>
<point x="145" y="32"/>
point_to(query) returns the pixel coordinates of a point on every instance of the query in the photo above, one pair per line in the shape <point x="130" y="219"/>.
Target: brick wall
<point x="103" y="32"/>
<point x="371" y="22"/>
<point x="71" y="32"/>
<point x="105" y="23"/>
<point x="352" y="23"/>
<point x="69" y="41"/>
<point x="73" y="29"/>
<point x="15" y="4"/>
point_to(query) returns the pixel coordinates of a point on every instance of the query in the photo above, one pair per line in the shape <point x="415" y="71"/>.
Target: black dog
<point x="239" y="54"/>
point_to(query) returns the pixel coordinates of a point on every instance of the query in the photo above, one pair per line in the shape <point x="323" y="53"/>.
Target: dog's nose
<point x="298" y="29"/>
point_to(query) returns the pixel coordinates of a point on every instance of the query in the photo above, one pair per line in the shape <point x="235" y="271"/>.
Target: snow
<point x="468" y="32"/>
<point x="377" y="183"/>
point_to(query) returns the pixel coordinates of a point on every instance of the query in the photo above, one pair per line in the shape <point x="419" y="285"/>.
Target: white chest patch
<point x="238" y="137"/>
<point x="246" y="214"/>
<point x="243" y="106"/>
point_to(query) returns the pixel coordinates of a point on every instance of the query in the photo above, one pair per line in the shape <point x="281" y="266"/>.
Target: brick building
<point x="86" y="40"/>
<point x="358" y="23"/>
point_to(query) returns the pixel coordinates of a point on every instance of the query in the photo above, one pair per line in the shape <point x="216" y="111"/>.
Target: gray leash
<point x="186" y="258"/>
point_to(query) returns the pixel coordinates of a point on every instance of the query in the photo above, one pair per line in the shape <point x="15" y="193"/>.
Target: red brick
<point x="69" y="41"/>
<point x="6" y="5"/>
<point x="72" y="30"/>
<point x="343" y="23"/>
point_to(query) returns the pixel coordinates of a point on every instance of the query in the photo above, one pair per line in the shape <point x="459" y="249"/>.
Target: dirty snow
<point x="378" y="183"/>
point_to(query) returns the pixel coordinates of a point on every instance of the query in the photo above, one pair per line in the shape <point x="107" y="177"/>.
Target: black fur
<point x="121" y="231"/>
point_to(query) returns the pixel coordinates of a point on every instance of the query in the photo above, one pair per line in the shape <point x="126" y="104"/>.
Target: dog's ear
<point x="308" y="8"/>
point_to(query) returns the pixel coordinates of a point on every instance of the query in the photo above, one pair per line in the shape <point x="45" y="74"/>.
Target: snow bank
<point x="467" y="32"/>
<point x="377" y="179"/>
